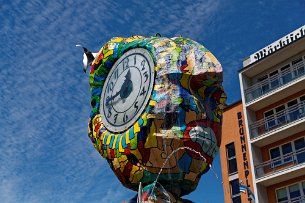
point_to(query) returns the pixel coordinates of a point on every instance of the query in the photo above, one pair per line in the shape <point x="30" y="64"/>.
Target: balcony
<point x="275" y="82"/>
<point x="281" y="120"/>
<point x="300" y="199"/>
<point x="281" y="169"/>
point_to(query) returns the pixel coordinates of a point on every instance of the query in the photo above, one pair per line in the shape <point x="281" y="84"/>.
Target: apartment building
<point x="272" y="84"/>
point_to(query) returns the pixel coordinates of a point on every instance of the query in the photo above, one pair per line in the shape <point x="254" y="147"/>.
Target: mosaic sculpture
<point x="156" y="114"/>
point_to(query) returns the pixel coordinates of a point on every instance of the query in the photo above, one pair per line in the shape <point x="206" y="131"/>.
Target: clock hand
<point x="108" y="99"/>
<point x="126" y="87"/>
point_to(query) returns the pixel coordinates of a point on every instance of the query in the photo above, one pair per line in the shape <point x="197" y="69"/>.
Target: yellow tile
<point x="114" y="142"/>
<point x="110" y="52"/>
<point x="152" y="102"/>
<point x="120" y="145"/>
<point x="127" y="137"/>
<point x="108" y="139"/>
<point x="136" y="128"/>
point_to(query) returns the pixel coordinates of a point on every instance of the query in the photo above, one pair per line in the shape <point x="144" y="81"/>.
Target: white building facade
<point x="272" y="83"/>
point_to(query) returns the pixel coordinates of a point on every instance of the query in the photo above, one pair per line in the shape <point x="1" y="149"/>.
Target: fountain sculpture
<point x="156" y="113"/>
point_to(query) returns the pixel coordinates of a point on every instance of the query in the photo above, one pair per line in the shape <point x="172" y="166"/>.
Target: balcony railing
<point x="280" y="119"/>
<point x="300" y="199"/>
<point x="280" y="163"/>
<point x="276" y="81"/>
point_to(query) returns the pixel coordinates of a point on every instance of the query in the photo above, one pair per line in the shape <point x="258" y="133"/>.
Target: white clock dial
<point x="127" y="90"/>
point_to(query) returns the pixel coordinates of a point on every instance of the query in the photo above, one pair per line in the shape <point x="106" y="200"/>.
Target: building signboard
<point x="277" y="45"/>
<point x="244" y="152"/>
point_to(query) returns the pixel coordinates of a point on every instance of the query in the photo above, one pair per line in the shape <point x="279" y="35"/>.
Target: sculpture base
<point x="155" y="193"/>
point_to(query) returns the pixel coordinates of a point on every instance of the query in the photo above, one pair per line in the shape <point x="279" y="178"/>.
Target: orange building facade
<point x="272" y="84"/>
<point x="235" y="160"/>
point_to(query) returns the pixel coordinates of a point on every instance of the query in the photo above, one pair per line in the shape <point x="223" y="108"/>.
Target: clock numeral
<point x="146" y="76"/>
<point x="116" y="74"/>
<point x="136" y="106"/>
<point x="125" y="118"/>
<point x="108" y="99"/>
<point x="115" y="118"/>
<point x="110" y="87"/>
<point x="143" y="64"/>
<point x="125" y="63"/>
<point x="143" y="91"/>
<point x="135" y="60"/>
<point x="109" y="113"/>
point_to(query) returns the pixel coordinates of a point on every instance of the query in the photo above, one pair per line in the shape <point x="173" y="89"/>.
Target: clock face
<point x="127" y="90"/>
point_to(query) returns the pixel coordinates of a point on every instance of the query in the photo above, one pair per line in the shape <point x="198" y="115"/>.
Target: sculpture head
<point x="176" y="135"/>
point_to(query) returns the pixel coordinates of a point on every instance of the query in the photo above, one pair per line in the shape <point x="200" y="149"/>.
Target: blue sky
<point x="46" y="155"/>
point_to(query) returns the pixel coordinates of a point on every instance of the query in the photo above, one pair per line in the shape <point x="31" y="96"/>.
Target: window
<point x="281" y="155"/>
<point x="291" y="193"/>
<point x="235" y="194"/>
<point x="274" y="80"/>
<point x="293" y="110"/>
<point x="281" y="195"/>
<point x="286" y="74"/>
<point x="281" y="75"/>
<point x="294" y="191"/>
<point x="285" y="113"/>
<point x="275" y="155"/>
<point x="270" y="121"/>
<point x="232" y="165"/>
<point x="299" y="145"/>
<point x="298" y="67"/>
<point x="286" y="150"/>
<point x="264" y="83"/>
<point x="302" y="106"/>
<point x="290" y="152"/>
<point x="269" y="82"/>
<point x="280" y="115"/>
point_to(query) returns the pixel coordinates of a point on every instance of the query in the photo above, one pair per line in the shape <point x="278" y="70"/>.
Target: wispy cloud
<point x="171" y="18"/>
<point x="46" y="155"/>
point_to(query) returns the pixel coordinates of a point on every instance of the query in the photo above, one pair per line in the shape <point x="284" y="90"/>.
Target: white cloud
<point x="172" y="18"/>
